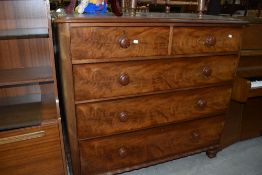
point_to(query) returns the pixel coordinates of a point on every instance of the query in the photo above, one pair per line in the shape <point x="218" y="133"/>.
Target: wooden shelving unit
<point x="12" y="118"/>
<point x="22" y="76"/>
<point x="24" y="33"/>
<point x="28" y="91"/>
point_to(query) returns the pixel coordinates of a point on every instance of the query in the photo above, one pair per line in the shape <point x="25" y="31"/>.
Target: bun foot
<point x="212" y="153"/>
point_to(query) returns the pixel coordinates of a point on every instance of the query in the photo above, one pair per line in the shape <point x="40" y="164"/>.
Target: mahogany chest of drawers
<point x="139" y="91"/>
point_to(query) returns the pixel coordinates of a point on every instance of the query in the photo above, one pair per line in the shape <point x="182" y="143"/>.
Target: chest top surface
<point x="151" y="18"/>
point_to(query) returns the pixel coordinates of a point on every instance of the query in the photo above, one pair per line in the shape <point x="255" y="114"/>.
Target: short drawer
<point x="117" y="42"/>
<point x="32" y="150"/>
<point x="196" y="40"/>
<point x="138" y="148"/>
<point x="93" y="81"/>
<point x="109" y="117"/>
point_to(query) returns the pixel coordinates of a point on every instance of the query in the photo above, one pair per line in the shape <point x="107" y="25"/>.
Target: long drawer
<point x="92" y="81"/>
<point x="31" y="151"/>
<point x="195" y="40"/>
<point x="110" y="117"/>
<point x="116" y="42"/>
<point x="137" y="148"/>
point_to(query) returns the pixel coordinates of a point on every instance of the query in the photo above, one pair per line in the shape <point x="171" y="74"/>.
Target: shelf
<point x="24" y="33"/>
<point x="25" y="76"/>
<point x="23" y="99"/>
<point x="25" y="115"/>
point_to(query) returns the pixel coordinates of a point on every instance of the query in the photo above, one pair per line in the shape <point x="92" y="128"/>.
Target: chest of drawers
<point x="142" y="91"/>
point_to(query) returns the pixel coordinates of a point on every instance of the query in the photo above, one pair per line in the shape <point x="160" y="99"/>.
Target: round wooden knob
<point x="124" y="42"/>
<point x="122" y="152"/>
<point x="123" y="117"/>
<point x="207" y="71"/>
<point x="124" y="79"/>
<point x="201" y="103"/>
<point x="210" y="41"/>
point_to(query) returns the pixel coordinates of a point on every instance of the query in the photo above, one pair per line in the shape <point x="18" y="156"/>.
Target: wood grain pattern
<point x="101" y="42"/>
<point x="102" y="80"/>
<point x="191" y="40"/>
<point x="25" y="76"/>
<point x="251" y="52"/>
<point x="123" y="151"/>
<point x="23" y="53"/>
<point x="68" y="94"/>
<point x="131" y="87"/>
<point x="105" y="118"/>
<point x="252" y="37"/>
<point x="17" y="14"/>
<point x="250" y="66"/>
<point x="255" y="92"/>
<point x="36" y="156"/>
<point x="20" y="99"/>
<point x="152" y="19"/>
<point x="52" y="61"/>
<point x="25" y="115"/>
<point x="28" y="90"/>
<point x="23" y="94"/>
<point x="24" y="33"/>
<point x="123" y="59"/>
<point x="241" y="89"/>
<point x="243" y="119"/>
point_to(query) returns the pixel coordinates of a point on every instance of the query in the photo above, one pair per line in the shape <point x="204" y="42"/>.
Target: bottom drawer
<point x="127" y="150"/>
<point x="31" y="151"/>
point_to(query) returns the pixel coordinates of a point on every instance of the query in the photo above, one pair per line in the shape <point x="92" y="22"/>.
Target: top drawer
<point x="195" y="40"/>
<point x="117" y="42"/>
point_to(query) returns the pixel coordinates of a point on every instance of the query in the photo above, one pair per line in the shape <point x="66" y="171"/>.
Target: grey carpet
<point x="242" y="158"/>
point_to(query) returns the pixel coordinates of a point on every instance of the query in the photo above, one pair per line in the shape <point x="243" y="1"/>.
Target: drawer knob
<point x="201" y="103"/>
<point x="124" y="42"/>
<point x="122" y="152"/>
<point x="210" y="41"/>
<point x="123" y="117"/>
<point x="207" y="71"/>
<point x="124" y="79"/>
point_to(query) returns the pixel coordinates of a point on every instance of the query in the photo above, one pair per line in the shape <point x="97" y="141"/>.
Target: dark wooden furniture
<point x="244" y="118"/>
<point x="144" y="90"/>
<point x="31" y="140"/>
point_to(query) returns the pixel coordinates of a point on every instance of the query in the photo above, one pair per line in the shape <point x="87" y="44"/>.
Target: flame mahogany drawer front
<point x="113" y="153"/>
<point x="92" y="81"/>
<point x="109" y="117"/>
<point x="116" y="42"/>
<point x="194" y="40"/>
<point x="119" y="42"/>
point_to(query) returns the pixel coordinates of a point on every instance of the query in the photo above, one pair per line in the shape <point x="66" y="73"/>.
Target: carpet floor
<point x="242" y="158"/>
